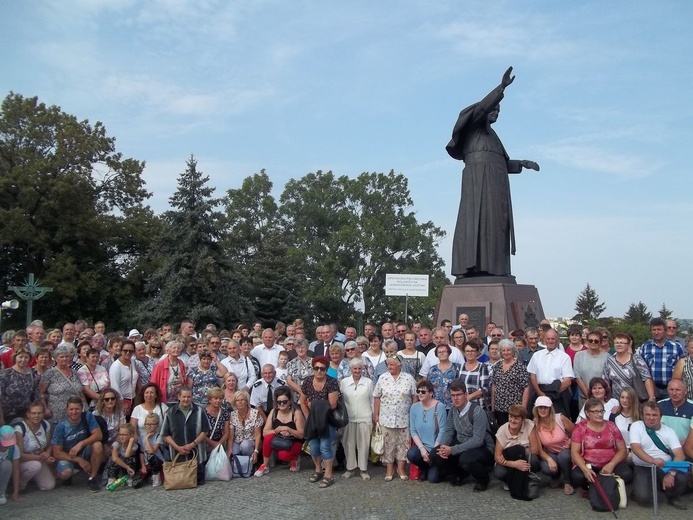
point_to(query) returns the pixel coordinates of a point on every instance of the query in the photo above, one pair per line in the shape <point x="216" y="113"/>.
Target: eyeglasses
<point x="598" y="412"/>
<point x="594" y="341"/>
<point x="319" y="368"/>
<point x="109" y="398"/>
<point x="151" y="424"/>
<point x="351" y="349"/>
<point x="496" y="335"/>
<point x="155" y="348"/>
<point x="422" y="391"/>
<point x="402" y="331"/>
<point x="460" y="394"/>
<point x="672" y="327"/>
<point x="282" y="401"/>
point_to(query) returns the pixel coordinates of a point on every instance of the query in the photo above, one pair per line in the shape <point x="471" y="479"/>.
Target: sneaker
<point x="262" y="470"/>
<point x="93" y="485"/>
<point x="156" y="480"/>
<point x="3" y="499"/>
<point x="295" y="465"/>
<point x="677" y="503"/>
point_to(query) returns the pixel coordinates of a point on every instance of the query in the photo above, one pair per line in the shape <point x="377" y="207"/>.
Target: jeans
<point x="642" y="484"/>
<point x="322" y="446"/>
<point x="432" y="472"/>
<point x="565" y="466"/>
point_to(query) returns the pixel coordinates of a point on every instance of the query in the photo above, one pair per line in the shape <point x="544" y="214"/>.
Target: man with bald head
<point x="462" y="322"/>
<point x="268" y="352"/>
<point x="551" y="374"/>
<point x="426" y="341"/>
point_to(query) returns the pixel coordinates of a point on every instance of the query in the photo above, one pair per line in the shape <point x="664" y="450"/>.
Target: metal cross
<point x="30" y="291"/>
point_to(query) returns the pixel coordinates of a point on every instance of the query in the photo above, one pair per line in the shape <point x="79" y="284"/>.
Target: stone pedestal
<point x="510" y="306"/>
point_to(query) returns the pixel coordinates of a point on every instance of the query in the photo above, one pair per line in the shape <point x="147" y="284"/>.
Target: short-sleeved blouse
<point x="597" y="448"/>
<point x="441" y="379"/>
<point x="509" y="386"/>
<point x="202" y="381"/>
<point x="217" y="433"/>
<point x="331" y="385"/>
<point x="243" y="431"/>
<point x="59" y="388"/>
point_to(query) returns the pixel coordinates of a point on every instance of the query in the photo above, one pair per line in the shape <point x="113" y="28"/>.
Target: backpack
<point x="103" y="425"/>
<point x="610" y="486"/>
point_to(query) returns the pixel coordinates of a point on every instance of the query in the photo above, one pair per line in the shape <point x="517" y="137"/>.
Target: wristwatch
<point x="673" y="473"/>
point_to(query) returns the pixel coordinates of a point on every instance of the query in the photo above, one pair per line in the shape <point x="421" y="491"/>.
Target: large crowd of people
<point x="456" y="403"/>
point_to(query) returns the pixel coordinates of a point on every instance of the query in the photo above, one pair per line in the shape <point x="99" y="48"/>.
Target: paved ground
<point x="285" y="496"/>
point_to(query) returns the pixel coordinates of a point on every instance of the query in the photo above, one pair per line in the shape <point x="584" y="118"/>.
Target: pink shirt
<point x="556" y="440"/>
<point x="597" y="448"/>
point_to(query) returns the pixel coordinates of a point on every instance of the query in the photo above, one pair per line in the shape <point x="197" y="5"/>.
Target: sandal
<point x="388" y="478"/>
<point x="568" y="489"/>
<point x="326" y="482"/>
<point x="315" y="477"/>
<point x="403" y="477"/>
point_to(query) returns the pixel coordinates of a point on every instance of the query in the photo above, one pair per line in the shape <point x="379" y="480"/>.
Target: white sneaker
<point x="156" y="480"/>
<point x="262" y="470"/>
<point x="3" y="499"/>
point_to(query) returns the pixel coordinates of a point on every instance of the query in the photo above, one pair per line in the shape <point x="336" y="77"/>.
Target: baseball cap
<point x="542" y="400"/>
<point x="7" y="437"/>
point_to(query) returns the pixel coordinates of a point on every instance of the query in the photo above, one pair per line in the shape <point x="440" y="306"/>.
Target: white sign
<point x="406" y="285"/>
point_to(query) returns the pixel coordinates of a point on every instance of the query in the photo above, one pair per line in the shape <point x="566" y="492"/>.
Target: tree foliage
<point x="348" y="233"/>
<point x="193" y="277"/>
<point x="587" y="305"/>
<point x="68" y="205"/>
<point x="665" y="313"/>
<point x="637" y="313"/>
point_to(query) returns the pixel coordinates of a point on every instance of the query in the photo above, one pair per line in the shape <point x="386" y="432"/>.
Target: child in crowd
<point x="151" y="443"/>
<point x="124" y="455"/>
<point x="9" y="463"/>
<point x="282" y="362"/>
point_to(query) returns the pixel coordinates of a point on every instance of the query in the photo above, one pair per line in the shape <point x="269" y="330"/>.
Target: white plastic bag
<point x="218" y="466"/>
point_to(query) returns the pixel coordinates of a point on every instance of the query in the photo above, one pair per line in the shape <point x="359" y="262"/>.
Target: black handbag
<point x="282" y="443"/>
<point x="339" y="417"/>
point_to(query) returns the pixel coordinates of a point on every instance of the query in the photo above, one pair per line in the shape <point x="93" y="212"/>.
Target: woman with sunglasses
<point x="356" y="391"/>
<point x="588" y="364"/>
<point x="351" y="351"/>
<point x="284" y="422"/>
<point x="427" y="422"/>
<point x="553" y="431"/>
<point x="124" y="376"/>
<point x="155" y="349"/>
<point x="599" y="444"/>
<point x="319" y="395"/>
<point x="110" y="407"/>
<point x="93" y="377"/>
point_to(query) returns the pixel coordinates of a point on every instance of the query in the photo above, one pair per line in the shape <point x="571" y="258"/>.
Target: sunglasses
<point x="319" y="369"/>
<point x="109" y="398"/>
<point x="349" y="349"/>
<point x="422" y="391"/>
<point x="594" y="341"/>
<point x="156" y="348"/>
<point x="128" y="351"/>
<point x="282" y="401"/>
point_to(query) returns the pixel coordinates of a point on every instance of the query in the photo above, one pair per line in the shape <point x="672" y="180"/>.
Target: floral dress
<point x="509" y="385"/>
<point x="17" y="391"/>
<point x="217" y="433"/>
<point x="59" y="388"/>
<point x="441" y="382"/>
<point x="245" y="430"/>
<point x="396" y="396"/>
<point x="202" y="381"/>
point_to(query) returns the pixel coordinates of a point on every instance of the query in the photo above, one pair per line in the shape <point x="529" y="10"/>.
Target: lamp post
<point x="9" y="304"/>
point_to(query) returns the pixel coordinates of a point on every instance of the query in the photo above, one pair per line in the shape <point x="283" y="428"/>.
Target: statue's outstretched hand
<point x="507" y="78"/>
<point x="530" y="164"/>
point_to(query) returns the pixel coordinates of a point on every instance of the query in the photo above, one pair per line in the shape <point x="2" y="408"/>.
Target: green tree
<point x="637" y="313"/>
<point x="348" y="233"/>
<point x="194" y="275"/>
<point x="271" y="277"/>
<point x="665" y="313"/>
<point x="587" y="305"/>
<point x="66" y="195"/>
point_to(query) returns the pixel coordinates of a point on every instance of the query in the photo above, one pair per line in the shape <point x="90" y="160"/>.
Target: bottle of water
<point x="118" y="483"/>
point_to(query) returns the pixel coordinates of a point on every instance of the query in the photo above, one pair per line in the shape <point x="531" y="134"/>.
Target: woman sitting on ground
<point x="427" y="421"/>
<point x="518" y="431"/>
<point x="597" y="446"/>
<point x="36" y="460"/>
<point x="553" y="431"/>
<point x="628" y="414"/>
<point x="283" y="432"/>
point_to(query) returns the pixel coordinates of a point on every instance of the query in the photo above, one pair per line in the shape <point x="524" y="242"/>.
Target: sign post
<point x="406" y="285"/>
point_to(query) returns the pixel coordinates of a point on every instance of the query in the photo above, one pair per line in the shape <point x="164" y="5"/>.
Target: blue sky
<point x="601" y="101"/>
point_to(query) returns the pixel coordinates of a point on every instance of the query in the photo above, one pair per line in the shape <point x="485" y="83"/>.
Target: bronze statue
<point x="484" y="235"/>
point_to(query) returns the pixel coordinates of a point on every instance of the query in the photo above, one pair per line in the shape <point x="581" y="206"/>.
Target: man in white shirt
<point x="268" y="352"/>
<point x="551" y="374"/>
<point x="239" y="365"/>
<point x="654" y="443"/>
<point x="262" y="395"/>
